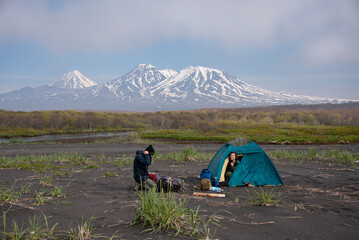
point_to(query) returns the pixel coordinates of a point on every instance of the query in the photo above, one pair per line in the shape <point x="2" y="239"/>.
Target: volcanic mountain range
<point x="147" y="88"/>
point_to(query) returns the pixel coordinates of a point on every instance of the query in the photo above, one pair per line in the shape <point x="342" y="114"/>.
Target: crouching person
<point x="140" y="168"/>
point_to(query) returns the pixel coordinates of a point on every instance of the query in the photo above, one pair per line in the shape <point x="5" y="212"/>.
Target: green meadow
<point x="327" y="123"/>
<point x="263" y="133"/>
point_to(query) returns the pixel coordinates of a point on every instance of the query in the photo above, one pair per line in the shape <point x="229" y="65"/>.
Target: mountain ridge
<point x="146" y="88"/>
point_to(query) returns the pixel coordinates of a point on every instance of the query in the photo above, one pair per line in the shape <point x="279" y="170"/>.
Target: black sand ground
<point x="318" y="201"/>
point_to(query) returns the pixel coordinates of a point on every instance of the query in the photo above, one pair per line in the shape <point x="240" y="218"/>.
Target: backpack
<point x="167" y="184"/>
<point x="205" y="173"/>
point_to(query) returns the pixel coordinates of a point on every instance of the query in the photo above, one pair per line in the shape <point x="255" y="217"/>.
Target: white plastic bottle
<point x="216" y="189"/>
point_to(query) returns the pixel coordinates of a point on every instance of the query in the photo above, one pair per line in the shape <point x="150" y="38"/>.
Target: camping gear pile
<point x="207" y="183"/>
<point x="166" y="183"/>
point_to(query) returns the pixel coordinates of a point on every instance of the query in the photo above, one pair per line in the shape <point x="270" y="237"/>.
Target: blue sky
<point x="303" y="47"/>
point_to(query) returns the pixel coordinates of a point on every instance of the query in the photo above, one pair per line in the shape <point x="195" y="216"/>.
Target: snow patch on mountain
<point x="168" y="72"/>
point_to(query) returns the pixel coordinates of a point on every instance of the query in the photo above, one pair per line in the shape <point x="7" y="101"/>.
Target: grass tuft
<point x="160" y="212"/>
<point x="264" y="197"/>
<point x="83" y="230"/>
<point x="36" y="229"/>
<point x="45" y="180"/>
<point x="57" y="191"/>
<point x="40" y="197"/>
<point x="10" y="194"/>
<point x="110" y="174"/>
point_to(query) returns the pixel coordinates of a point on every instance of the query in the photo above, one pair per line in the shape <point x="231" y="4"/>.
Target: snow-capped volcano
<point x="196" y="85"/>
<point x="73" y="80"/>
<point x="201" y="83"/>
<point x="135" y="84"/>
<point x="147" y="88"/>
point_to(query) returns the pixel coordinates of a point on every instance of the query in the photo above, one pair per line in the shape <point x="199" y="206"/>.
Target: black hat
<point x="150" y="149"/>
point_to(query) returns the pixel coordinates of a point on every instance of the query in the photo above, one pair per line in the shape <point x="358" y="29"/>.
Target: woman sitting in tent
<point x="231" y="166"/>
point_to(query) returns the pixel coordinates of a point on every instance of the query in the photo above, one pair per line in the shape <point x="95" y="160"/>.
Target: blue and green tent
<point x="254" y="169"/>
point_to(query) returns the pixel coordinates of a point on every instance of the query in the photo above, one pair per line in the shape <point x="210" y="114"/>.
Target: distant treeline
<point x="18" y="123"/>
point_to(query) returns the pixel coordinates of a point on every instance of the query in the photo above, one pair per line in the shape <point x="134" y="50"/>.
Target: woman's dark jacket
<point x="140" y="166"/>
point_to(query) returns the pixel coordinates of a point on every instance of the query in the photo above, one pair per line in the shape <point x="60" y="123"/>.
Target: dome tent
<point x="255" y="168"/>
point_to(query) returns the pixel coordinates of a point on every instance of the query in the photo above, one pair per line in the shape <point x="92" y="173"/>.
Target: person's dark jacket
<point x="140" y="166"/>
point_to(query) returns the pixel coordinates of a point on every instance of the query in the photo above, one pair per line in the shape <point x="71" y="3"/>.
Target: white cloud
<point x="323" y="31"/>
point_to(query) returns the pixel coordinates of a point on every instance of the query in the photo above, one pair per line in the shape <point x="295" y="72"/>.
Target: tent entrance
<point x="224" y="167"/>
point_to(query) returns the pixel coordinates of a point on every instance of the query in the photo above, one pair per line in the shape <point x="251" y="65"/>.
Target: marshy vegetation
<point x="326" y="123"/>
<point x="59" y="164"/>
<point x="333" y="156"/>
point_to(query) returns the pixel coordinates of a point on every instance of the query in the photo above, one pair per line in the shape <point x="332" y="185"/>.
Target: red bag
<point x="153" y="177"/>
